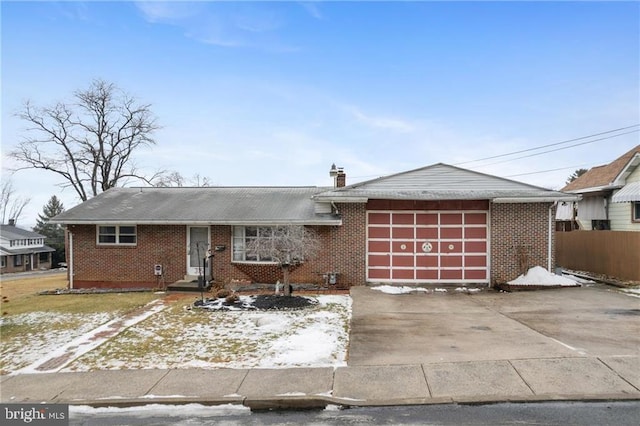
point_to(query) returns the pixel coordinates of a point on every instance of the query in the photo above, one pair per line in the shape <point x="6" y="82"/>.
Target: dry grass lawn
<point x="21" y="296"/>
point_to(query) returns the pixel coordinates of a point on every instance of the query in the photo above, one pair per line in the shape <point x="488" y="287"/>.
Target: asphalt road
<point x="539" y="414"/>
<point x="31" y="274"/>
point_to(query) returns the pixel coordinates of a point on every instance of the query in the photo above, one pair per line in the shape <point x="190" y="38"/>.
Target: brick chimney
<point x="341" y="178"/>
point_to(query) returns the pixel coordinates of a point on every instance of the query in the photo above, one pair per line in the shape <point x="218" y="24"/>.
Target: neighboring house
<point x="434" y="225"/>
<point x="610" y="196"/>
<point x="22" y="250"/>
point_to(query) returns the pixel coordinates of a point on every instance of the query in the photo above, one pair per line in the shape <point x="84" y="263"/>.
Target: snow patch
<point x="392" y="289"/>
<point x="539" y="276"/>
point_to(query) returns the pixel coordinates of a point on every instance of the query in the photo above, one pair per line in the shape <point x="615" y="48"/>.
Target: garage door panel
<point x="402" y="274"/>
<point x="475" y="218"/>
<point x="379" y="260"/>
<point x="451" y="232"/>
<point x="451" y="247"/>
<point x="475" y="261"/>
<point x="451" y="261"/>
<point x="427" y="274"/>
<point x="379" y="246"/>
<point x="402" y="261"/>
<point x="427" y="219"/>
<point x="380" y="218"/>
<point x="475" y="233"/>
<point x="475" y="274"/>
<point x="451" y="219"/>
<point x="475" y="247"/>
<point x="427" y="261"/>
<point x="451" y="274"/>
<point x="403" y="233"/>
<point x="402" y="219"/>
<point x="403" y="246"/>
<point x="427" y="233"/>
<point x="379" y="232"/>
<point x="379" y="274"/>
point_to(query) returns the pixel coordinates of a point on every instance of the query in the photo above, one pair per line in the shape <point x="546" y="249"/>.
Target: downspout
<point x="70" y="260"/>
<point x="550" y="236"/>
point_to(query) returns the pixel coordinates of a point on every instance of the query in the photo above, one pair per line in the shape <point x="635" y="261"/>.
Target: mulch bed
<point x="262" y="302"/>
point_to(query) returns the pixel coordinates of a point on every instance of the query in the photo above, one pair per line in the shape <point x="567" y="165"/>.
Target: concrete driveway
<point x="420" y="328"/>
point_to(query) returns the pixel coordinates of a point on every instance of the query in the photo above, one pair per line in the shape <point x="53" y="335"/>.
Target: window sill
<point x="252" y="262"/>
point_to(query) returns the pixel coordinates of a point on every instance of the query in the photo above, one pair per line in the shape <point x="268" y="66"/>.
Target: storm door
<point x="197" y="246"/>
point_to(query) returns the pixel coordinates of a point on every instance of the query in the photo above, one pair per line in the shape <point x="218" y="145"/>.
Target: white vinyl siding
<point x="620" y="215"/>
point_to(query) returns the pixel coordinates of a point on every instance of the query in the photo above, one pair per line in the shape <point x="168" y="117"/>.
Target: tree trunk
<point x="285" y="279"/>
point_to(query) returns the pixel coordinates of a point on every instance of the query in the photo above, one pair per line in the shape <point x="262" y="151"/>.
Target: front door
<point x="197" y="246"/>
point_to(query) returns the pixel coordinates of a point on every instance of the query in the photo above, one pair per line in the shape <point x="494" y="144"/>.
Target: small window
<point x="117" y="234"/>
<point x="635" y="211"/>
<point x="17" y="260"/>
<point x="3" y="261"/>
<point x="43" y="257"/>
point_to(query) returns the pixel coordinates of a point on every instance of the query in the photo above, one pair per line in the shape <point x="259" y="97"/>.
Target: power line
<point x="554" y="150"/>
<point x="555" y="144"/>
<point x="544" y="171"/>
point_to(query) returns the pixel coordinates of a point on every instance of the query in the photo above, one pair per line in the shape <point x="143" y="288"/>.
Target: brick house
<point x="22" y="250"/>
<point x="434" y="225"/>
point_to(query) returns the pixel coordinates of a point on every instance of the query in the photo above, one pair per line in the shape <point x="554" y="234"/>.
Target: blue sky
<point x="273" y="93"/>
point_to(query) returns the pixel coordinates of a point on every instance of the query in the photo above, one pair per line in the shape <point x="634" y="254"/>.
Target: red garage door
<point x="427" y="246"/>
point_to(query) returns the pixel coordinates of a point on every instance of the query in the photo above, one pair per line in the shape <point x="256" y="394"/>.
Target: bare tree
<point x="90" y="142"/>
<point x="173" y="179"/>
<point x="11" y="204"/>
<point x="285" y="245"/>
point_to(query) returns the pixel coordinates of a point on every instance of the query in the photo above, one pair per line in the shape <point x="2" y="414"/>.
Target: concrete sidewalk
<point x="569" y="378"/>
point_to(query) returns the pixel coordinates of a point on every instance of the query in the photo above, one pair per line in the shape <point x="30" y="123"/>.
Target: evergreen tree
<point x="575" y="175"/>
<point x="54" y="233"/>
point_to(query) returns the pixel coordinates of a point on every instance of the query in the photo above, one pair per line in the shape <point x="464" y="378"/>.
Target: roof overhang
<point x="535" y="199"/>
<point x="325" y="222"/>
<point x="594" y="189"/>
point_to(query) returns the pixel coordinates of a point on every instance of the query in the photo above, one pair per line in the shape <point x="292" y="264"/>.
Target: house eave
<point x="324" y="222"/>
<point x="507" y="200"/>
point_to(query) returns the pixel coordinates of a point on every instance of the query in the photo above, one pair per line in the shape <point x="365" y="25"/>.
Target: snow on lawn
<point x="539" y="276"/>
<point x="391" y="289"/>
<point x="635" y="292"/>
<point x="184" y="338"/>
<point x="44" y="332"/>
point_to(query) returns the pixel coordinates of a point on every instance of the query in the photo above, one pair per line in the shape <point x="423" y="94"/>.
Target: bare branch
<point x="90" y="142"/>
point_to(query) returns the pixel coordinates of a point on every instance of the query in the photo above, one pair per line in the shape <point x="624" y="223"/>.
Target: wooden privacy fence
<point x="613" y="253"/>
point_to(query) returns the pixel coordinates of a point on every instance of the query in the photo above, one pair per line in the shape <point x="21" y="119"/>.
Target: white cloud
<point x="313" y="8"/>
<point x="381" y="122"/>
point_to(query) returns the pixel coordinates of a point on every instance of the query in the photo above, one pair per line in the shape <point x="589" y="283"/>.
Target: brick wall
<point x="342" y="251"/>
<point x="123" y="266"/>
<point x="519" y="238"/>
<point x="517" y="230"/>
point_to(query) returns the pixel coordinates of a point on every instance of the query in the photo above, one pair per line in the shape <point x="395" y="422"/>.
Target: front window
<point x="3" y="261"/>
<point x="43" y="257"/>
<point x="243" y="236"/>
<point x="17" y="260"/>
<point x="635" y="211"/>
<point x="117" y="234"/>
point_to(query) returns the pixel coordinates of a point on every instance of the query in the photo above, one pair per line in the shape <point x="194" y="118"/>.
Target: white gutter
<point x="70" y="260"/>
<point x="329" y="222"/>
<point x="536" y="199"/>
